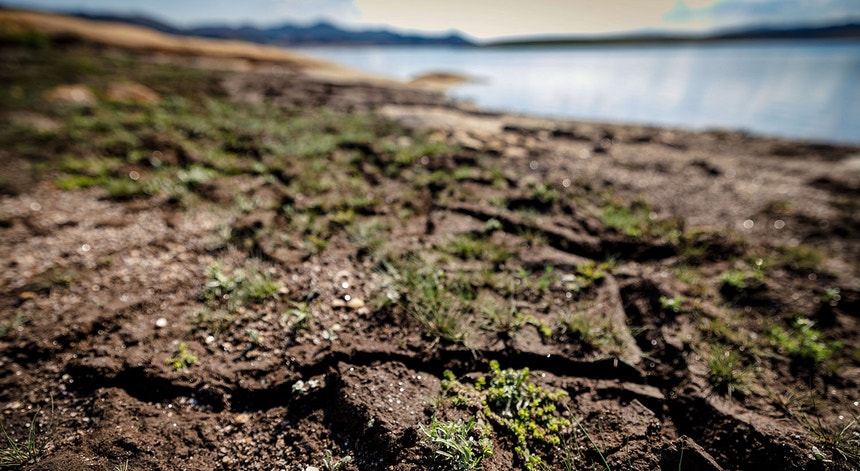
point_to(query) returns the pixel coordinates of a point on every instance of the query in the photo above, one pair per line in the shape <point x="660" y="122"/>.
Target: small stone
<point x="338" y="303"/>
<point x="130" y="92"/>
<point x="26" y="295"/>
<point x="75" y="94"/>
<point x="242" y="418"/>
<point x="161" y="323"/>
<point x="355" y="303"/>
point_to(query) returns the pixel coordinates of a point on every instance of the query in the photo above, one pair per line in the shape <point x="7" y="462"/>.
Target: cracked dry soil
<point x="100" y="289"/>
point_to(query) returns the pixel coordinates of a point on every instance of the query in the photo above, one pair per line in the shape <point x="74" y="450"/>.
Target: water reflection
<point x="788" y="88"/>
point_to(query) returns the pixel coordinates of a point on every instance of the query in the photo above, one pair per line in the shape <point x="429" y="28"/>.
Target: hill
<point x="836" y="31"/>
<point x="287" y="34"/>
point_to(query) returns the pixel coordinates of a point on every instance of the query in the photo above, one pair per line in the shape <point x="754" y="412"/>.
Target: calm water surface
<point x="797" y="89"/>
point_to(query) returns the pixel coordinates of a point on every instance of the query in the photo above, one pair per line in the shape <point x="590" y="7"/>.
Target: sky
<point x="480" y="19"/>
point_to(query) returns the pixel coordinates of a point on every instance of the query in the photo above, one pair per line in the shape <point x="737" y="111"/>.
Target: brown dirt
<point x="109" y="289"/>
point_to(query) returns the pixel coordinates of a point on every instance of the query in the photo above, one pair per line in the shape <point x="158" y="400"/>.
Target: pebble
<point x="242" y="418"/>
<point x="161" y="323"/>
<point x="355" y="303"/>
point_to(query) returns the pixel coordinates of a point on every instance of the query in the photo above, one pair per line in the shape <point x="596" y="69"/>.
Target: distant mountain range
<point x="322" y="34"/>
<point x="849" y="30"/>
<point x="318" y="34"/>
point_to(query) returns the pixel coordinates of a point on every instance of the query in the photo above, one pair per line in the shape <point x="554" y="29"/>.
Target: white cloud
<point x="737" y="12"/>
<point x="487" y="18"/>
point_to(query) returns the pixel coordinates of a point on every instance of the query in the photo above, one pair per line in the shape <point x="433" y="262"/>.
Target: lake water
<point x="796" y="89"/>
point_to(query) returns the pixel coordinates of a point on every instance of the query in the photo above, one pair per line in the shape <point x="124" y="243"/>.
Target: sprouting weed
<point x="182" y="358"/>
<point x="330" y="463"/>
<point x="302" y="387"/>
<point x="456" y="444"/>
<point x="727" y="371"/>
<point x="671" y="304"/>
<point x="14" y="454"/>
<point x="804" y="342"/>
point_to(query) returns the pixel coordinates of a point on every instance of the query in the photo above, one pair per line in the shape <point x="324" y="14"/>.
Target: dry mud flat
<point x="263" y="270"/>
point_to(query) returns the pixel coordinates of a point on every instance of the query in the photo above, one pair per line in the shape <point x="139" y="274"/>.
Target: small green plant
<point x="14" y="454"/>
<point x="590" y="332"/>
<point x="547" y="278"/>
<point x="253" y="336"/>
<point x="220" y="284"/>
<point x="726" y="370"/>
<point x="241" y="286"/>
<point x="526" y="410"/>
<point x="831" y="296"/>
<point x="544" y="193"/>
<point x="691" y="277"/>
<point x="671" y="304"/>
<point x="501" y="318"/>
<point x="299" y="316"/>
<point x="493" y="225"/>
<point x="195" y="175"/>
<point x="505" y="397"/>
<point x="803" y="342"/>
<point x="122" y="467"/>
<point x="474" y="247"/>
<point x="801" y="257"/>
<point x="543" y="328"/>
<point x="302" y="387"/>
<point x="182" y="358"/>
<point x="213" y="322"/>
<point x="736" y="279"/>
<point x="436" y="300"/>
<point x="330" y="463"/>
<point x="842" y="442"/>
<point x="8" y="326"/>
<point x="630" y="221"/>
<point x="260" y="286"/>
<point x="461" y="445"/>
<point x="592" y="271"/>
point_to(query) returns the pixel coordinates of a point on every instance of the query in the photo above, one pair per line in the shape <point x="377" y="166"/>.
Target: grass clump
<point x="475" y="247"/>
<point x="590" y="332"/>
<point x="502" y="318"/>
<point x="227" y="292"/>
<point x="461" y="445"/>
<point x="214" y="322"/>
<point x="590" y="272"/>
<point x="631" y="222"/>
<point x="801" y="257"/>
<point x="736" y="279"/>
<point x="671" y="304"/>
<point x="241" y="286"/>
<point x="726" y="370"/>
<point x="803" y="342"/>
<point x="436" y="300"/>
<point x="843" y="443"/>
<point x="14" y="454"/>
